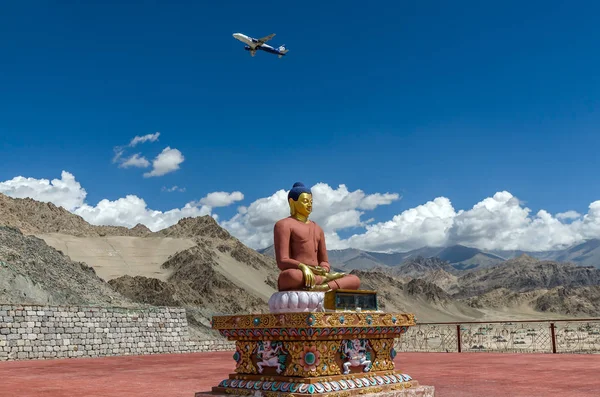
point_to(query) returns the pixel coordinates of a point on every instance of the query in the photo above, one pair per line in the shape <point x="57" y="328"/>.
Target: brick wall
<point x="36" y="332"/>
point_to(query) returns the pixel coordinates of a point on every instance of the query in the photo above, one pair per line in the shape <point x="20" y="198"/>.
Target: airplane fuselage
<point x="253" y="44"/>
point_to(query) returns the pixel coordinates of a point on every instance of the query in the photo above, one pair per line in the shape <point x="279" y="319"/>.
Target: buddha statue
<point x="300" y="250"/>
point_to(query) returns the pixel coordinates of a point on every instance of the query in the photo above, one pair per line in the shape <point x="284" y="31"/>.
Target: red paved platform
<point x="182" y="375"/>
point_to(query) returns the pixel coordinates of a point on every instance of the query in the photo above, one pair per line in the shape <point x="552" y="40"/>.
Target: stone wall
<point x="36" y="332"/>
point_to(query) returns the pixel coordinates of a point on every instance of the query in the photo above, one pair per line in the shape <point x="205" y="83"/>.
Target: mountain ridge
<point x="459" y="256"/>
<point x="217" y="273"/>
<point x="36" y="217"/>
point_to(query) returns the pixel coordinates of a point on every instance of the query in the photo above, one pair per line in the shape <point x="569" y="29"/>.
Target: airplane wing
<point x="263" y="40"/>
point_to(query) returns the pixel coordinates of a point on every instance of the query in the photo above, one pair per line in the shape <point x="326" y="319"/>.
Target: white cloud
<point x="65" y="192"/>
<point x="130" y="210"/>
<point x="127" y="211"/>
<point x="373" y="201"/>
<point x="173" y="189"/>
<point x="334" y="201"/>
<point x="589" y="226"/>
<point x="221" y="199"/>
<point x="145" y="138"/>
<point x="498" y="222"/>
<point x="167" y="161"/>
<point x="119" y="151"/>
<point x="135" y="161"/>
<point x="333" y="209"/>
<point x="501" y="222"/>
<point x="568" y="215"/>
<point x="425" y="225"/>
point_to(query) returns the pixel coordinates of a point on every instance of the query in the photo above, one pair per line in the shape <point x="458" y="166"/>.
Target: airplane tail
<point x="282" y="50"/>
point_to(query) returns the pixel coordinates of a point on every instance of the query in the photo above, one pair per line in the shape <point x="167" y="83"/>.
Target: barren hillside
<point x="199" y="265"/>
<point x="218" y="275"/>
<point x="525" y="274"/>
<point x="115" y="256"/>
<point x="420" y="266"/>
<point x="34" y="217"/>
<point x="32" y="272"/>
<point x="429" y="302"/>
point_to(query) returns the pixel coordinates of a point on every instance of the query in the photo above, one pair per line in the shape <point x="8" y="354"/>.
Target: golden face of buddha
<point x="303" y="206"/>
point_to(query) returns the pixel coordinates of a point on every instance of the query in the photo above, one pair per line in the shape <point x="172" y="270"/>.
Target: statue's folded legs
<point x="293" y="280"/>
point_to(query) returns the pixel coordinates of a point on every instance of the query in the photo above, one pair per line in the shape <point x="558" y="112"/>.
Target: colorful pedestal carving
<point x="339" y="354"/>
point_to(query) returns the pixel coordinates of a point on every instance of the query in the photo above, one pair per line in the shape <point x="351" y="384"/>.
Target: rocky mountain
<point x="420" y="266"/>
<point x="502" y="298"/>
<point x="32" y="272"/>
<point x="216" y="276"/>
<point x="460" y="257"/>
<point x="524" y="274"/>
<point x="466" y="258"/>
<point x="570" y="301"/>
<point x="205" y="276"/>
<point x="587" y="253"/>
<point x="349" y="259"/>
<point x="426" y="290"/>
<point x="212" y="272"/>
<point x="202" y="226"/>
<point x="269" y="251"/>
<point x="429" y="302"/>
<point x="559" y="301"/>
<point x="510" y="254"/>
<point x="365" y="259"/>
<point x="34" y="217"/>
<point x="522" y="284"/>
<point x="446" y="281"/>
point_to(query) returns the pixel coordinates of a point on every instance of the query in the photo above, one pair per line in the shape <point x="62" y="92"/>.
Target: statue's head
<point x="300" y="200"/>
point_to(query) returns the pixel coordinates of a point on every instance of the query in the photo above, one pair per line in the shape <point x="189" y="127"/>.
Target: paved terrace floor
<point x="181" y="375"/>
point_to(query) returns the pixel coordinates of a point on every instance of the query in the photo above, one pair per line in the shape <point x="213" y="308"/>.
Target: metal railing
<point x="524" y="336"/>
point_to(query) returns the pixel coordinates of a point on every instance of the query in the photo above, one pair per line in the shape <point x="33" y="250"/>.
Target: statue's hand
<point x="309" y="277"/>
<point x="334" y="276"/>
<point x="319" y="271"/>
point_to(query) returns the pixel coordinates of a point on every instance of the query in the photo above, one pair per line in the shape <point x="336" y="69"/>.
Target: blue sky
<point x="459" y="100"/>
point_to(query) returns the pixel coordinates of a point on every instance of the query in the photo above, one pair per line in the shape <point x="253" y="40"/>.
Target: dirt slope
<point x="115" y="256"/>
<point x="219" y="275"/>
<point x="32" y="272"/>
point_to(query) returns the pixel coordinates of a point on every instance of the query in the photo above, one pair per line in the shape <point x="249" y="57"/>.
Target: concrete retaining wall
<point x="36" y="332"/>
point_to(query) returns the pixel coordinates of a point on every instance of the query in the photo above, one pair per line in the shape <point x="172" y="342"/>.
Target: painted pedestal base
<point x="337" y="354"/>
<point x="415" y="391"/>
<point x="335" y="386"/>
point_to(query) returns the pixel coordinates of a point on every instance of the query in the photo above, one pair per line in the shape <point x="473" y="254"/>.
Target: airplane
<point x="259" y="44"/>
